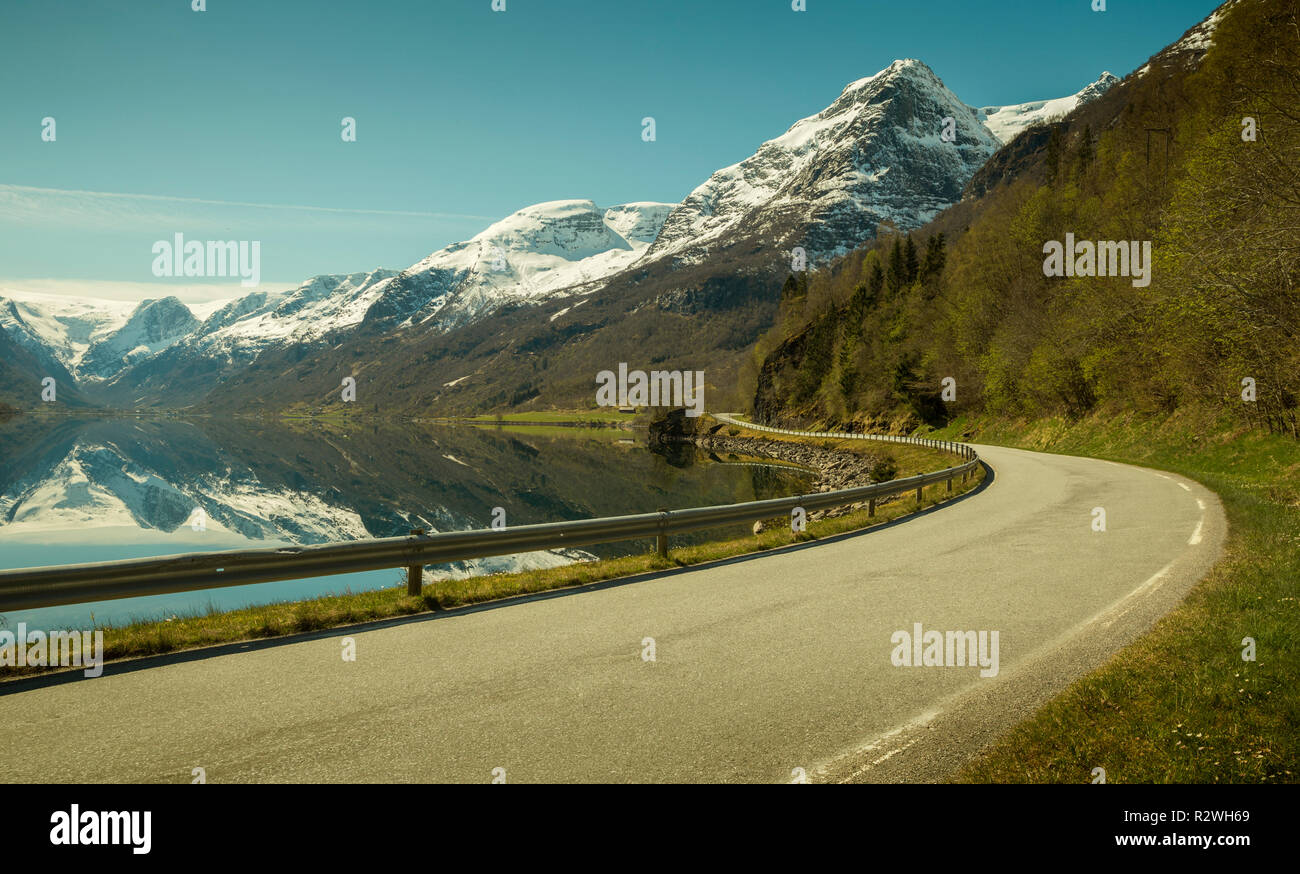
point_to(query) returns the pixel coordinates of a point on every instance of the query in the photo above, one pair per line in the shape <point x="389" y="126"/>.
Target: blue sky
<point x="463" y="114"/>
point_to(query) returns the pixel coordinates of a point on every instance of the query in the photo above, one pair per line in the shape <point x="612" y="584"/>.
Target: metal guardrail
<point x="947" y="445"/>
<point x="27" y="588"/>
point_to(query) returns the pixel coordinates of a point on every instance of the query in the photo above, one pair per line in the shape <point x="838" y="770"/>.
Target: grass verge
<point x="599" y="418"/>
<point x="1180" y="704"/>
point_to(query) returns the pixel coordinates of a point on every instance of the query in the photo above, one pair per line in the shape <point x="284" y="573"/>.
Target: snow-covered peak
<point x="1194" y="43"/>
<point x="902" y="67"/>
<point x="875" y="154"/>
<point x="569" y="229"/>
<point x="1006" y="122"/>
<point x="1103" y="84"/>
<point x="539" y="249"/>
<point x="154" y="325"/>
<point x="638" y="222"/>
<point x="558" y="246"/>
<point x="64" y="325"/>
<point x="318" y="306"/>
<point x="856" y="99"/>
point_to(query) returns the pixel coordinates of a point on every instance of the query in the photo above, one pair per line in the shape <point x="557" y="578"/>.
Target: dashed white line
<point x="1150" y="585"/>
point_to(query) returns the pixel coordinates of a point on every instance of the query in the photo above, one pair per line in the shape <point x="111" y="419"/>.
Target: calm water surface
<point x="74" y="491"/>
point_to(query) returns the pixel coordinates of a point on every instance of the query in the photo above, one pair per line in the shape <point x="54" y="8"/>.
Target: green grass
<point x="573" y="430"/>
<point x="1180" y="704"/>
<point x="275" y="620"/>
<point x="602" y="416"/>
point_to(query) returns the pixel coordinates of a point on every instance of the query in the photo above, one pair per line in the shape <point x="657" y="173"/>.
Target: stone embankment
<point x="835" y="468"/>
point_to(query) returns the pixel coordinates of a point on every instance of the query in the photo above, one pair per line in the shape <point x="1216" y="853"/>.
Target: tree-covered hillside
<point x="1166" y="157"/>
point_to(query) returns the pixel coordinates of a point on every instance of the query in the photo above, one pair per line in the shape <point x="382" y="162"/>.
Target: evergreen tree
<point x="896" y="268"/>
<point x="911" y="264"/>
<point x="1086" y="151"/>
<point x="876" y="284"/>
<point x="859" y="304"/>
<point x="1055" y="145"/>
<point x="932" y="263"/>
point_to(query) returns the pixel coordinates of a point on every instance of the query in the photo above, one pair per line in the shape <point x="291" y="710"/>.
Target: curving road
<point x="766" y="669"/>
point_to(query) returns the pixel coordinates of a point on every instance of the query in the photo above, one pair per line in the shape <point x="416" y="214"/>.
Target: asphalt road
<point x="765" y="669"/>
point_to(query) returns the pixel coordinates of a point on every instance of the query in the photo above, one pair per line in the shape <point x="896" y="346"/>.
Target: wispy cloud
<point x="69" y="207"/>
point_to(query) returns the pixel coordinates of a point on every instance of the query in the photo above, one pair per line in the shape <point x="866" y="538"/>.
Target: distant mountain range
<point x="565" y="282"/>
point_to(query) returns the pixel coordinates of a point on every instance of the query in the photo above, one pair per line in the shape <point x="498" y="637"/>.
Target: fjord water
<point x="97" y="489"/>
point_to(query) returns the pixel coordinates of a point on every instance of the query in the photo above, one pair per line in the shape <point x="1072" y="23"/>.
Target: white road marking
<point x="881" y="742"/>
<point x="1150" y="585"/>
<point x="894" y="752"/>
<point x="1196" y="535"/>
<point x="1200" y="503"/>
<point x="1185" y="487"/>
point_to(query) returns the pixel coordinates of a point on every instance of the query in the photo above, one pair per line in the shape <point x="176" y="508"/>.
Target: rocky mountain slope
<point x="874" y="155"/>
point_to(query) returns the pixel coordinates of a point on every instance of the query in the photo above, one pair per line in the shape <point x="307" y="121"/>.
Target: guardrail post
<point x="415" y="572"/>
<point x="871" y="507"/>
<point x="919" y="490"/>
<point x="949" y="484"/>
<point x="661" y="541"/>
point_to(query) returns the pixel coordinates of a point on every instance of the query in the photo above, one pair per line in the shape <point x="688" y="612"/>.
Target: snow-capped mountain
<point x="539" y="251"/>
<point x="1006" y="122"/>
<point x="876" y="154"/>
<point x="152" y="327"/>
<point x="549" y="248"/>
<point x="1192" y="46"/>
<point x="94" y="339"/>
<point x="60" y="329"/>
<point x="306" y="314"/>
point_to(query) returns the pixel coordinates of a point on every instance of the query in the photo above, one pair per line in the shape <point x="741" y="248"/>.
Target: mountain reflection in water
<point x="96" y="489"/>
